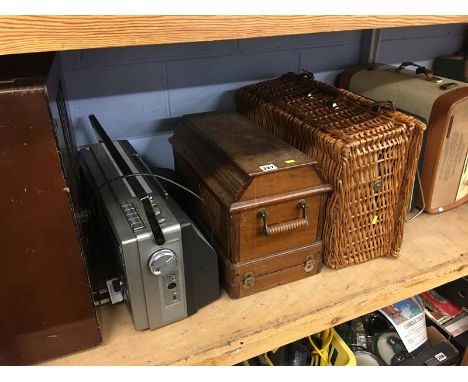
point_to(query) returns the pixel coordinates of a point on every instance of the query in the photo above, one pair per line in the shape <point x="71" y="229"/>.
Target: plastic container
<point x="338" y="353"/>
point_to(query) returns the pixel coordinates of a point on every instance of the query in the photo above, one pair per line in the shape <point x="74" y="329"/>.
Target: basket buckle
<point x="378" y="186"/>
<point x="383" y="104"/>
<point x="307" y="74"/>
<point x="249" y="280"/>
<point x="448" y="85"/>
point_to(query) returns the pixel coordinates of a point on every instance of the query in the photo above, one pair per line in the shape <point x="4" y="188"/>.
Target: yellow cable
<point x="268" y="359"/>
<point x="326" y="337"/>
<point x="325" y="360"/>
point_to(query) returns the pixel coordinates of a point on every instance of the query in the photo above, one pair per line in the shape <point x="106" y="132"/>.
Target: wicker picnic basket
<point x="368" y="150"/>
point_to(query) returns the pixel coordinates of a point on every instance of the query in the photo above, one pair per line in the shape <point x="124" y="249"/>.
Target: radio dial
<point x="162" y="262"/>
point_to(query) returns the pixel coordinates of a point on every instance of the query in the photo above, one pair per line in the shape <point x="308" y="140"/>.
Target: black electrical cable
<point x="359" y="347"/>
<point x="142" y="174"/>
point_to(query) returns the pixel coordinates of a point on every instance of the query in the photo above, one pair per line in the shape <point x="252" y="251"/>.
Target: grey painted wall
<point x="137" y="92"/>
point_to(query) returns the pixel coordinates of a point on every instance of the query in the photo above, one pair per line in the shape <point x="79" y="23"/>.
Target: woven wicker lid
<point x="338" y="113"/>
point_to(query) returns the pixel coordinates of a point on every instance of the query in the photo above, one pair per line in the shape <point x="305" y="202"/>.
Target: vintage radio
<point x="366" y="149"/>
<point x="149" y="251"/>
<point x="263" y="200"/>
<point x="453" y="66"/>
<point x="443" y="103"/>
<point x="46" y="307"/>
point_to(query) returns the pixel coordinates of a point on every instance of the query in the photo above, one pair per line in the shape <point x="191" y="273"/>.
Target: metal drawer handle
<point x="289" y="225"/>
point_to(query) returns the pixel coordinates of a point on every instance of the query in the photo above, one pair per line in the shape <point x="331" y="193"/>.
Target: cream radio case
<point x="443" y="104"/>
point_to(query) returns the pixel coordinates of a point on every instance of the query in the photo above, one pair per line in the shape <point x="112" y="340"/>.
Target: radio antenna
<point x="132" y="181"/>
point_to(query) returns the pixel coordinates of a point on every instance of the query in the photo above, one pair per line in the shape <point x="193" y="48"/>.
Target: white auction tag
<point x="440" y="357"/>
<point x="268" y="167"/>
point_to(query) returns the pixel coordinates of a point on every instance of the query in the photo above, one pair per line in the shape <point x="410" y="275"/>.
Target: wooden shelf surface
<point x="27" y="34"/>
<point x="435" y="251"/>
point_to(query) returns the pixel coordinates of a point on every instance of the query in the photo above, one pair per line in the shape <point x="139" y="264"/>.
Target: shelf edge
<point x="28" y="34"/>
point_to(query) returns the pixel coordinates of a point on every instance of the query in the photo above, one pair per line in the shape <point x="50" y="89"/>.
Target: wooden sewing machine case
<point x="263" y="200"/>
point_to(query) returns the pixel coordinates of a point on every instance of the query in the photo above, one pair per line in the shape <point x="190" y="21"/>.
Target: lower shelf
<point x="435" y="251"/>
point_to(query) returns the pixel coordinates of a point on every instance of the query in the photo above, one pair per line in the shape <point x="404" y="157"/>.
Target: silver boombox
<point x="141" y="244"/>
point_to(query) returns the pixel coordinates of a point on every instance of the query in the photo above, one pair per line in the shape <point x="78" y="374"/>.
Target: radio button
<point x="162" y="262"/>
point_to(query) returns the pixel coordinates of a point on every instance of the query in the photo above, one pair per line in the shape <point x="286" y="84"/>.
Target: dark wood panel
<point x="45" y="300"/>
<point x="25" y="65"/>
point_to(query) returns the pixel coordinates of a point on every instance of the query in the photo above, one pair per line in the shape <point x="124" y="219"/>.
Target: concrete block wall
<point x="138" y="92"/>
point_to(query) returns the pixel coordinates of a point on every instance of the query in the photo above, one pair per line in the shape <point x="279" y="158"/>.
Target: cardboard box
<point x="456" y="292"/>
<point x="460" y="341"/>
<point x="464" y="361"/>
<point x="440" y="353"/>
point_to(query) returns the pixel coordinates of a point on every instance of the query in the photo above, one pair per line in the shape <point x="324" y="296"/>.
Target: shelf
<point x="27" y="34"/>
<point x="435" y="251"/>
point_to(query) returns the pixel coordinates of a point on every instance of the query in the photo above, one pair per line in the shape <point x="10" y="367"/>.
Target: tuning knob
<point x="162" y="262"/>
